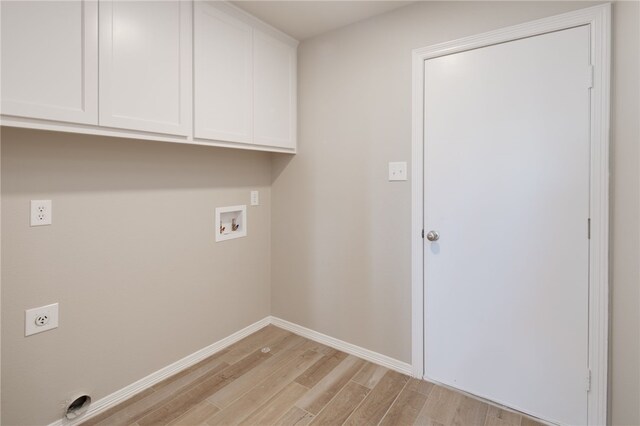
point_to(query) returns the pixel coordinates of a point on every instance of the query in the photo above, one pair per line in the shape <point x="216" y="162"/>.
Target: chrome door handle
<point x="433" y="236"/>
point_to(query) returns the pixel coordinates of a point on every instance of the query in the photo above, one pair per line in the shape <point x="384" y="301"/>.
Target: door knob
<point x="433" y="236"/>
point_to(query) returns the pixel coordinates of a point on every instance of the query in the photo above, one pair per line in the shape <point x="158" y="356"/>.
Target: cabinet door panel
<point x="274" y="91"/>
<point x="223" y="76"/>
<point x="50" y="60"/>
<point x="145" y="65"/>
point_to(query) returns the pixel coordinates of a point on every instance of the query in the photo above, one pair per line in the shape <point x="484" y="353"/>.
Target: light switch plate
<point x="397" y="170"/>
<point x="255" y="198"/>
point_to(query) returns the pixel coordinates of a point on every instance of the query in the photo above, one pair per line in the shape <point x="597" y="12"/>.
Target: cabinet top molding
<point x="235" y="11"/>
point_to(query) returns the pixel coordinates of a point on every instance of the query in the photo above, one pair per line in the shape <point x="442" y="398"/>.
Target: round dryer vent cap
<point x="78" y="407"/>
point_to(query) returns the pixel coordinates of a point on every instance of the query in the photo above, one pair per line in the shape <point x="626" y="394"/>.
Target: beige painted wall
<point x="341" y="232"/>
<point x="624" y="350"/>
<point x="130" y="257"/>
<point x="132" y="235"/>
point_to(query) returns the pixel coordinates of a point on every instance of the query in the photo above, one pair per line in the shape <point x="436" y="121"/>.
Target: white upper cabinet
<point x="274" y="96"/>
<point x="50" y="60"/>
<point x="223" y="76"/>
<point x="202" y="72"/>
<point x="145" y="66"/>
<point x="245" y="79"/>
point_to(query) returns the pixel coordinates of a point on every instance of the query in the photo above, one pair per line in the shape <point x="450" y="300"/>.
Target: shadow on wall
<point x="44" y="161"/>
<point x="279" y="163"/>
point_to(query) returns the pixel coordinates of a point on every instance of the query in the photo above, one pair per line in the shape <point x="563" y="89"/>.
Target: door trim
<point x="599" y="20"/>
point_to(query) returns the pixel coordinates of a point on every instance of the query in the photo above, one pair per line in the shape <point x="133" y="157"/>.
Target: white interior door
<point x="507" y="189"/>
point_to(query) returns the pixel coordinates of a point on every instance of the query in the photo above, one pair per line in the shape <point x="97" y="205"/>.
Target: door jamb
<point x="599" y="19"/>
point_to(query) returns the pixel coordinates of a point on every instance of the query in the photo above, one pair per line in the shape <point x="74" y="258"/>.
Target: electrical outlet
<point x="255" y="198"/>
<point x="40" y="319"/>
<point x="397" y="170"/>
<point x="41" y="212"/>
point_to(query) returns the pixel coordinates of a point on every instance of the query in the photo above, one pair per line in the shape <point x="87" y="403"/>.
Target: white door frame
<point x="599" y="19"/>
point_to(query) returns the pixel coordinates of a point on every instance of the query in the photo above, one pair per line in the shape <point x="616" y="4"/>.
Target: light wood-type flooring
<point x="298" y="382"/>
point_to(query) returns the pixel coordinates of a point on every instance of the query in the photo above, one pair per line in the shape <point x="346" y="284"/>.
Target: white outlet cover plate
<point x="30" y="316"/>
<point x="397" y="170"/>
<point x="41" y="212"/>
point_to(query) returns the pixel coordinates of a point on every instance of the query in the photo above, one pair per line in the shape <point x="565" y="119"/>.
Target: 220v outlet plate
<point x="40" y="319"/>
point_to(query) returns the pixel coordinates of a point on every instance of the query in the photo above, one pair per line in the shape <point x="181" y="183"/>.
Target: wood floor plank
<point x="527" y="421"/>
<point x="201" y="391"/>
<point x="162" y="395"/>
<point x="263" y="337"/>
<point x="244" y="406"/>
<point x="470" y="412"/>
<point x="209" y="361"/>
<point x="317" y="371"/>
<point x="137" y="397"/>
<point x="405" y="409"/>
<point x="320" y="395"/>
<point x="440" y="407"/>
<point x="318" y="347"/>
<point x="499" y="417"/>
<point x="277" y="406"/>
<point x="420" y="386"/>
<point x="370" y="375"/>
<point x="299" y="382"/>
<point x="196" y="415"/>
<point x="379" y="400"/>
<point x="295" y="417"/>
<point x="494" y="421"/>
<point x="422" y="421"/>
<point x="281" y="353"/>
<point x="341" y="407"/>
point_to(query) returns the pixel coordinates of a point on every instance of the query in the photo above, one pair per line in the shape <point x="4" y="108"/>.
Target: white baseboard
<point x="121" y="395"/>
<point x="349" y="348"/>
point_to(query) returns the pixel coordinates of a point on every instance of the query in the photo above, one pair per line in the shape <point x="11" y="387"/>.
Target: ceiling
<point x="305" y="19"/>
